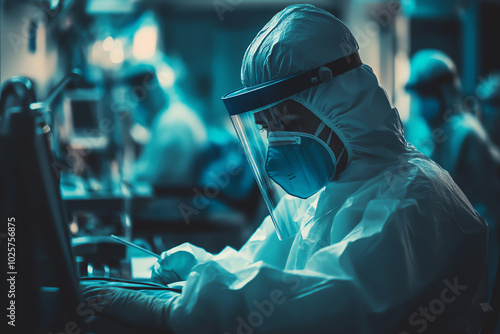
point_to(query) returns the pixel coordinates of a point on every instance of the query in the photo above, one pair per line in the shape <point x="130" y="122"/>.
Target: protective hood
<point x="303" y="37"/>
<point x="431" y="69"/>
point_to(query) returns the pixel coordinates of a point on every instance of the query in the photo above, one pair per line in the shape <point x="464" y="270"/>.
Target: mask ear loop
<point x="334" y="177"/>
<point x="320" y="129"/>
<point x="329" y="138"/>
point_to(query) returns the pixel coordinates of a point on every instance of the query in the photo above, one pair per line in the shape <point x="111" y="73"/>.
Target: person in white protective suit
<point x="365" y="235"/>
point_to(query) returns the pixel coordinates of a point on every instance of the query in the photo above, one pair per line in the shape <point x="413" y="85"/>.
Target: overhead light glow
<point x="145" y="40"/>
<point x="54" y="4"/>
<point x="96" y="52"/>
<point x="117" y="44"/>
<point x="107" y="45"/>
<point x="117" y="56"/>
<point x="166" y="76"/>
<point x="73" y="227"/>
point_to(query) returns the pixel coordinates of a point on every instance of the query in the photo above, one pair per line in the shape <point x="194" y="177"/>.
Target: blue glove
<point x="131" y="307"/>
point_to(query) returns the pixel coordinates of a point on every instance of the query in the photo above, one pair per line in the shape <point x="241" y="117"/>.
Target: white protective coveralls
<point x="401" y="249"/>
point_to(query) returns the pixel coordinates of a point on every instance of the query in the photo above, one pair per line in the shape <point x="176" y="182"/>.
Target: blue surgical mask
<point x="299" y="162"/>
<point x="429" y="107"/>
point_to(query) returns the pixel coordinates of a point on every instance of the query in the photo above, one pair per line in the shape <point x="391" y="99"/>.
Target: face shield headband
<point x="255" y="97"/>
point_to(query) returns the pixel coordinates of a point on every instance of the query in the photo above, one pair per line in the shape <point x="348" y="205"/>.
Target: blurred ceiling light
<point x="117" y="44"/>
<point x="111" y="6"/>
<point x="96" y="52"/>
<point x="166" y="76"/>
<point x="73" y="227"/>
<point x="140" y="134"/>
<point x="54" y="4"/>
<point x="145" y="40"/>
<point x="107" y="45"/>
<point x="117" y="56"/>
<point x="431" y="8"/>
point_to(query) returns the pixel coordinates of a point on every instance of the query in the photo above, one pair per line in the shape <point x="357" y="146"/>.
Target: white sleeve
<point x="397" y="259"/>
<point x="265" y="246"/>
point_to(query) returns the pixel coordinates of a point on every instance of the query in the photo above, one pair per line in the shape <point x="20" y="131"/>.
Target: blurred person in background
<point x="455" y="138"/>
<point x="488" y="93"/>
<point x="173" y="135"/>
<point x="178" y="150"/>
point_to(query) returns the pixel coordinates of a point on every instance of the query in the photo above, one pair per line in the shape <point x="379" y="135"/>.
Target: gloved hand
<point x="176" y="263"/>
<point x="129" y="306"/>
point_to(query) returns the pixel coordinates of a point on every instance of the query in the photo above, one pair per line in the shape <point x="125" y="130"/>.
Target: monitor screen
<point x="84" y="114"/>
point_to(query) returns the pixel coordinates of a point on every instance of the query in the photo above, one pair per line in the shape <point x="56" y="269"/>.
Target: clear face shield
<point x="292" y="153"/>
<point x="290" y="162"/>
